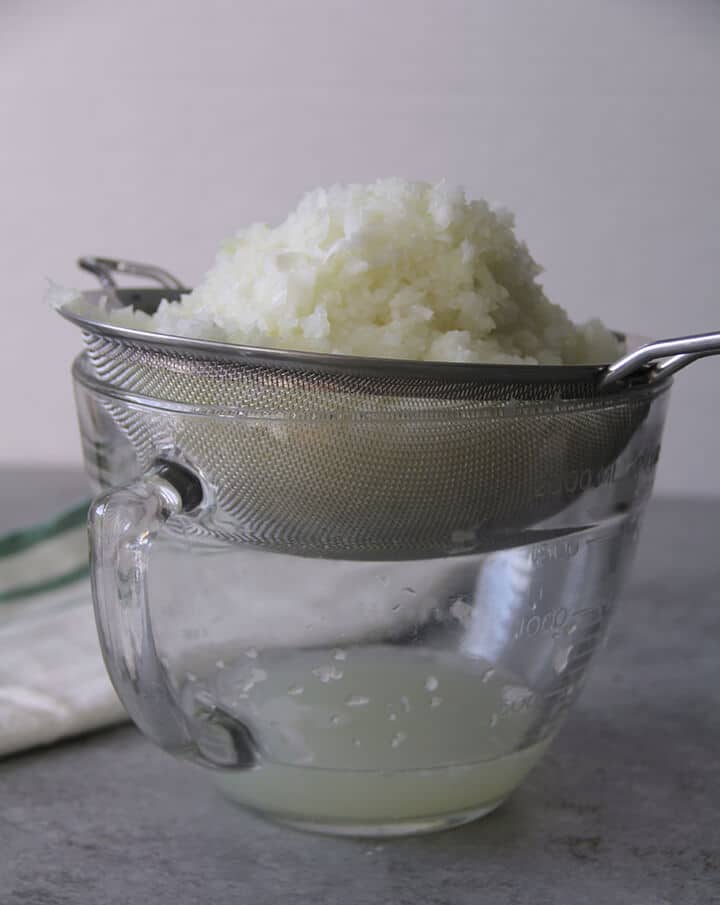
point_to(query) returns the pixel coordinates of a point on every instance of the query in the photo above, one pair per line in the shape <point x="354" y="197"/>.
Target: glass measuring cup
<point x="364" y="694"/>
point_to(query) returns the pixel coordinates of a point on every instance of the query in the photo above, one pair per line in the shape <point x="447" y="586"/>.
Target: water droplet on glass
<point x="340" y="654"/>
<point x="251" y="652"/>
<point x="435" y="701"/>
<point x="335" y="719"/>
<point x="431" y="683"/>
<point x="392" y="717"/>
<point x="255" y="676"/>
<point x="356" y="742"/>
<point x="494" y="720"/>
<point x="191" y="677"/>
<point x="409" y="591"/>
<point x="220" y="664"/>
<point x="398" y="739"/>
<point x="488" y="674"/>
<point x="462" y="611"/>
<point x="328" y="673"/>
<point x="514" y="695"/>
<point x="405" y="704"/>
<point x="356" y="700"/>
<point x="395" y="607"/>
<point x="295" y="689"/>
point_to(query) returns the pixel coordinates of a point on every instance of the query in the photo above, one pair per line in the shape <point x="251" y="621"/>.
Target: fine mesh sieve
<point x="344" y="456"/>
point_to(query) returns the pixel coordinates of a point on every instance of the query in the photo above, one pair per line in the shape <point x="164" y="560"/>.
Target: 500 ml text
<point x="576" y="480"/>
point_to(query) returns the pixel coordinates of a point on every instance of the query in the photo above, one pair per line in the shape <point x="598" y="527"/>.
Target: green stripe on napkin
<point x="44" y="557"/>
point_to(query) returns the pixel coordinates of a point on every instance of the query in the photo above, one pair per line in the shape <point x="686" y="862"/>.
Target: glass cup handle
<point x="122" y="526"/>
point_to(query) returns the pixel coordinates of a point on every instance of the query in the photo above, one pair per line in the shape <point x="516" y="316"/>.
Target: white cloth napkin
<point x="53" y="682"/>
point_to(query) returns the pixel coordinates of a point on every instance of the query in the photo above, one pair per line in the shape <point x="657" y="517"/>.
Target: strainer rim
<point x="335" y="363"/>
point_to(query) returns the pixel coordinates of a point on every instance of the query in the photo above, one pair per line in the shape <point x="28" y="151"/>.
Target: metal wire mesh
<point x="359" y="466"/>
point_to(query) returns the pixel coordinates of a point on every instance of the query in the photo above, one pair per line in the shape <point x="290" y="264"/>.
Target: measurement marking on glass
<point x="560" y="550"/>
<point x="534" y="625"/>
<point x="552" y="621"/>
<point x="600" y="537"/>
<point x="580" y="480"/>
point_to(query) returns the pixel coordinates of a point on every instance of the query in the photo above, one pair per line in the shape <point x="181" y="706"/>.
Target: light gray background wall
<point x="153" y="129"/>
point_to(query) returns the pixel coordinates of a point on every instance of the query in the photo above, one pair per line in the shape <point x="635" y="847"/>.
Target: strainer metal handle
<point x="666" y="357"/>
<point x="104" y="268"/>
<point x="123" y="525"/>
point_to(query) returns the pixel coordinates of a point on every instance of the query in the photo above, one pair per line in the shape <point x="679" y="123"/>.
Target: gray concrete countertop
<point x="625" y="808"/>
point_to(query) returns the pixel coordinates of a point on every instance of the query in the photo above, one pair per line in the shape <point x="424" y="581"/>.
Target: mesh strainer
<point x="421" y="457"/>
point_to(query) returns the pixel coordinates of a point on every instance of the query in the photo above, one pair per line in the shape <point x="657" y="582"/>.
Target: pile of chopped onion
<point x="392" y="269"/>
